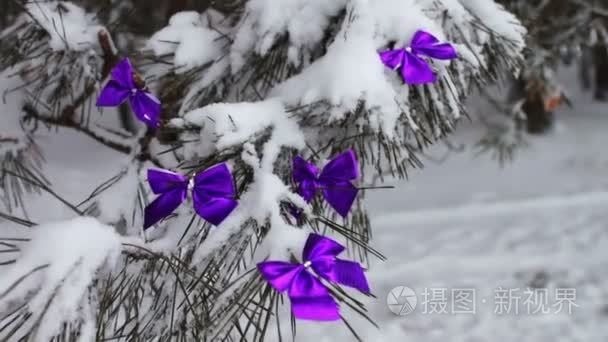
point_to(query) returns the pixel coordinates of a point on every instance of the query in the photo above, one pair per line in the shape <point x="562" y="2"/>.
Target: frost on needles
<point x="249" y="83"/>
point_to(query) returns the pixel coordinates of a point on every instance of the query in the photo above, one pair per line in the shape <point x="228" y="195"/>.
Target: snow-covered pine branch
<point x="53" y="276"/>
<point x="251" y="86"/>
<point x="51" y="61"/>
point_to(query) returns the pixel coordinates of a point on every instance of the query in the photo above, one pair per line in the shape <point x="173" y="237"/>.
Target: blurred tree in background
<point x="559" y="32"/>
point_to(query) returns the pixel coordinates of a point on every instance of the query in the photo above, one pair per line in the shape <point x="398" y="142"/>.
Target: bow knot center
<point x="190" y="184"/>
<point x="319" y="184"/>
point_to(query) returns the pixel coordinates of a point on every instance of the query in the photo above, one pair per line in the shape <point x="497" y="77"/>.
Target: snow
<point x="112" y="206"/>
<point x="501" y="21"/>
<point x="502" y="208"/>
<point x="68" y="256"/>
<point x="332" y="77"/>
<point x="400" y="25"/>
<point x="69" y="26"/>
<point x="73" y="176"/>
<point x="236" y="123"/>
<point x="500" y="246"/>
<point x="190" y="38"/>
<point x="304" y="21"/>
<point x="351" y="71"/>
<point x="224" y="125"/>
<point x="568" y="162"/>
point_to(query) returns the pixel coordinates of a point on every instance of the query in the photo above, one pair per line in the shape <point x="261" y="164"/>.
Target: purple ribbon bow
<point x="413" y="68"/>
<point x="310" y="298"/>
<point x="212" y="193"/>
<point x="334" y="180"/>
<point x="146" y="106"/>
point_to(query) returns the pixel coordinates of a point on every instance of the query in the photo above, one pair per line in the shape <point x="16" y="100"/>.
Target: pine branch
<point x="18" y="220"/>
<point x="47" y="189"/>
<point x="69" y="122"/>
<point x="26" y="162"/>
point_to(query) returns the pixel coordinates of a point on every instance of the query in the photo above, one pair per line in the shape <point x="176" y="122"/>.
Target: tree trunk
<point x="600" y="61"/>
<point x="538" y="119"/>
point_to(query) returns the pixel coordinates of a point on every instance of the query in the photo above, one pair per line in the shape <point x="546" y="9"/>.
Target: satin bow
<point x="213" y="194"/>
<point x="413" y="68"/>
<point x="310" y="298"/>
<point x="122" y="86"/>
<point x="334" y="180"/>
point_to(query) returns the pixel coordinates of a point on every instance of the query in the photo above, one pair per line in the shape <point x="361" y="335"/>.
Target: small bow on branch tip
<point x="408" y="60"/>
<point x="334" y="181"/>
<point x="213" y="194"/>
<point x="127" y="84"/>
<point x="310" y="298"/>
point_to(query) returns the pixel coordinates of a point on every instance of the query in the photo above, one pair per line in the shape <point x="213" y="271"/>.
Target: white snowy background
<point x="464" y="223"/>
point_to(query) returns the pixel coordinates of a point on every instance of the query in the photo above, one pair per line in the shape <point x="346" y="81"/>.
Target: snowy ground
<point x="466" y="223"/>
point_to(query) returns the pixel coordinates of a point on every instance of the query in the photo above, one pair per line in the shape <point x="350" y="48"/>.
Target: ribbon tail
<point x="311" y="300"/>
<point x="323" y="308"/>
<point x="147" y="108"/>
<point x="415" y="70"/>
<point x="213" y="209"/>
<point x="340" y="196"/>
<point x="163" y="206"/>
